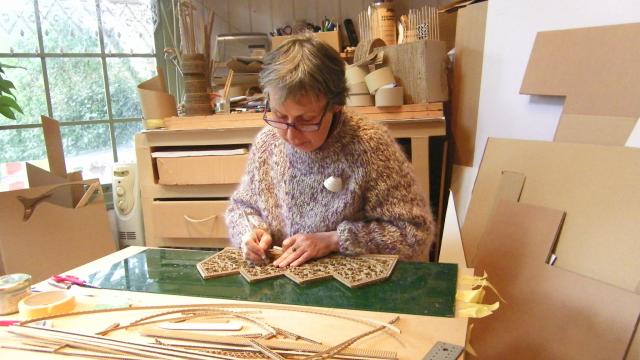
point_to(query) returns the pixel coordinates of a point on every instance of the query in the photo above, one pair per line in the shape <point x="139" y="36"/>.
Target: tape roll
<point x="360" y="100"/>
<point x="359" y="88"/>
<point x="355" y="74"/>
<point x="390" y="96"/>
<point x="365" y="48"/>
<point x="379" y="78"/>
<point x="46" y="304"/>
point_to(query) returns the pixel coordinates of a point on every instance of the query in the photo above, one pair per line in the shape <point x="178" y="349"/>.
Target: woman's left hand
<point x="300" y="248"/>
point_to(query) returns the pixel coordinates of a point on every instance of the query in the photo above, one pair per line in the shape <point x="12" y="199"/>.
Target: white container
<point x="13" y="288"/>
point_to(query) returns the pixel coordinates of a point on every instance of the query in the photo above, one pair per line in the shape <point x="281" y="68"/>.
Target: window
<point x="80" y="62"/>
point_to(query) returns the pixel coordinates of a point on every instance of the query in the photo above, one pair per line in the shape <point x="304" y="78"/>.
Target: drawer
<point x="189" y="219"/>
<point x="201" y="170"/>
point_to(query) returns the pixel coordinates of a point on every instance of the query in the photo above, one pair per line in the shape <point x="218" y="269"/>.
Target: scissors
<point x="67" y="281"/>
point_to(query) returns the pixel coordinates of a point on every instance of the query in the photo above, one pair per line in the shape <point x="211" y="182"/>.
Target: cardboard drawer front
<point x="201" y="170"/>
<point x="190" y="219"/>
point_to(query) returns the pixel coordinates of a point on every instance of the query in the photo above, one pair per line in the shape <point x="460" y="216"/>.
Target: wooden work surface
<point x="418" y="333"/>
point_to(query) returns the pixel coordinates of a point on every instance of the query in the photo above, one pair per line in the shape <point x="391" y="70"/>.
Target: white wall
<point x="511" y="29"/>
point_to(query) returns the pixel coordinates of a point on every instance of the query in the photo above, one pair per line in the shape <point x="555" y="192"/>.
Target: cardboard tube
<point x="359" y="88"/>
<point x="390" y="96"/>
<point x="45" y="304"/>
<point x="355" y="74"/>
<point x="360" y="100"/>
<point x="379" y="78"/>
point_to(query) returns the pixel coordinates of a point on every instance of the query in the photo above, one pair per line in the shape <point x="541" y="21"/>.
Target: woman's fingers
<point x="289" y="256"/>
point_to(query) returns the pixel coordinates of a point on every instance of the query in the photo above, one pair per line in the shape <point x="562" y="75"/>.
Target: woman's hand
<point x="254" y="246"/>
<point x="300" y="248"/>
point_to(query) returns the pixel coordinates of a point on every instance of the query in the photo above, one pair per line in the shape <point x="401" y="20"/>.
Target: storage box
<point x="421" y="68"/>
<point x="330" y="37"/>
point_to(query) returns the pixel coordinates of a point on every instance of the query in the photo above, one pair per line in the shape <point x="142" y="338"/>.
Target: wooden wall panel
<point x="261" y="16"/>
<point x="305" y="10"/>
<point x="281" y="12"/>
<point x="239" y="16"/>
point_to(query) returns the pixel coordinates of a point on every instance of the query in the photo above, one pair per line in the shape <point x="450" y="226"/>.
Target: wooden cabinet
<point x="184" y="198"/>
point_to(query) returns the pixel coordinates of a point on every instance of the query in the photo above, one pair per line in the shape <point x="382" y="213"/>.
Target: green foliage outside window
<point x="8" y="104"/>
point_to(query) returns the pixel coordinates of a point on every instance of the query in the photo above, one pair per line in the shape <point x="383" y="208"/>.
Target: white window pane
<point x="77" y="89"/>
<point x="69" y="26"/>
<point x="88" y="148"/>
<point x="128" y="26"/>
<point x="124" y="76"/>
<point x="18" y="31"/>
<point x="125" y="133"/>
<point x="29" y="90"/>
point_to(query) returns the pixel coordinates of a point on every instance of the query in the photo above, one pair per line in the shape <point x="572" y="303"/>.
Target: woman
<point x="371" y="204"/>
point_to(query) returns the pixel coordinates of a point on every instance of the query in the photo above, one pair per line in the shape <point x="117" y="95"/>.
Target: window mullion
<point x="112" y="131"/>
<point x="43" y="61"/>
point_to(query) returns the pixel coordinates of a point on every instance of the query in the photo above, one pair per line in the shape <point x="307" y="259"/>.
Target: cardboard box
<point x="330" y="37"/>
<point x="421" y="68"/>
<point x="201" y="170"/>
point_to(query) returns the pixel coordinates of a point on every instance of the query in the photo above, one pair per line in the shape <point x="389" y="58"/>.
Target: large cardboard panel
<point x="595" y="69"/>
<point x="421" y="68"/>
<point x="467" y="75"/>
<point x="595" y="184"/>
<point x="549" y="313"/>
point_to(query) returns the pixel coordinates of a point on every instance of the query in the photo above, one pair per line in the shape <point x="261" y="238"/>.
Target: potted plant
<point x="8" y="102"/>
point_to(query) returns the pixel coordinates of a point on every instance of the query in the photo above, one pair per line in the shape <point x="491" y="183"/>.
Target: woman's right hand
<point x="255" y="245"/>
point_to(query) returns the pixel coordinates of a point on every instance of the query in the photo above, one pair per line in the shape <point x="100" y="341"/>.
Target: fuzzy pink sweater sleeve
<point x="378" y="210"/>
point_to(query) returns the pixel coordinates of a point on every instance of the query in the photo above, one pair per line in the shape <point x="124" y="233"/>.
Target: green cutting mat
<point x="412" y="288"/>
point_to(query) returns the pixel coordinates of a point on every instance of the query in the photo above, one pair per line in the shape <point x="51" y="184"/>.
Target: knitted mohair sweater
<point x="378" y="211"/>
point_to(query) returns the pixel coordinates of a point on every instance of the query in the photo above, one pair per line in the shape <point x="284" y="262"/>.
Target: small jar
<point x="13" y="288"/>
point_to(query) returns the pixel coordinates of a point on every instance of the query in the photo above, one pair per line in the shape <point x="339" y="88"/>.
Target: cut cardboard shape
<point x="509" y="188"/>
<point x="550" y="313"/>
<point x="594" y="68"/>
<point x="596" y="185"/>
<point x="53" y="143"/>
<point x="54" y="238"/>
<point x="155" y="101"/>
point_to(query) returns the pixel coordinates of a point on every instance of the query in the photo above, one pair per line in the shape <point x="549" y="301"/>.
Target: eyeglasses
<point x="304" y="127"/>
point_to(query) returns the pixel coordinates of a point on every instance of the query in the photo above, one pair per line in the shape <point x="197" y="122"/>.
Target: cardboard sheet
<point x="156" y="102"/>
<point x="596" y="69"/>
<point x="550" y="313"/>
<point x="596" y="185"/>
<point x="467" y="75"/>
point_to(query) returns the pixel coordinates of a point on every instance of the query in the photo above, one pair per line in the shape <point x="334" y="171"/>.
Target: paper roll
<point x="46" y="304"/>
<point x="390" y="96"/>
<point x="355" y="74"/>
<point x="360" y="100"/>
<point x="359" y="88"/>
<point x="379" y="78"/>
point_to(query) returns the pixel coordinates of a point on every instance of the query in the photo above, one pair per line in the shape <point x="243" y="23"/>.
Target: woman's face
<point x="304" y="110"/>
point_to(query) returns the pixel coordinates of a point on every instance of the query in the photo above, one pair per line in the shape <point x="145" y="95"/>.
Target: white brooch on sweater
<point x="333" y="184"/>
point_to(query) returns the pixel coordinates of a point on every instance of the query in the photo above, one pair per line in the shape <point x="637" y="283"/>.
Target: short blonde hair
<point x="304" y="65"/>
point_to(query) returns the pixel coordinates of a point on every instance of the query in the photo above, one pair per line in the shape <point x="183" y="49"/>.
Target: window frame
<point x="103" y="56"/>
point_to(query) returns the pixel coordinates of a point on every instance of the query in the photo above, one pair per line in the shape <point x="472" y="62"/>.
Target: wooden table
<point x="418" y="333"/>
